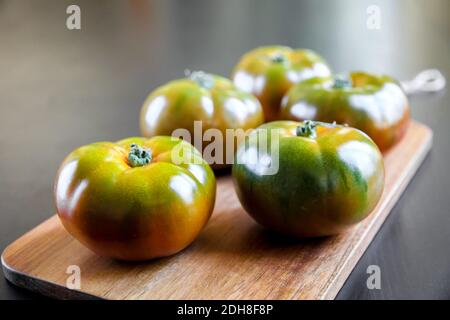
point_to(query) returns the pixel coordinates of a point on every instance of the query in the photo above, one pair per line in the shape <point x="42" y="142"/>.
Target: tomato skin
<point x="323" y="185"/>
<point x="260" y="72"/>
<point x="134" y="213"/>
<point x="374" y="104"/>
<point x="220" y="105"/>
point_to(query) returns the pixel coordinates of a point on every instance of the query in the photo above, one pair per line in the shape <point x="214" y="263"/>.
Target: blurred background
<point x="62" y="88"/>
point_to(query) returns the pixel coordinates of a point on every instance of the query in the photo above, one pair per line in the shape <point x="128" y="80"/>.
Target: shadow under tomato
<point x="222" y="172"/>
<point x="237" y="234"/>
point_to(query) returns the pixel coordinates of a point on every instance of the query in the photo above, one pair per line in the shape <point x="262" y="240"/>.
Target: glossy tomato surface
<point x="122" y="208"/>
<point x="329" y="177"/>
<point x="269" y="72"/>
<point x="374" y="104"/>
<point x="213" y="101"/>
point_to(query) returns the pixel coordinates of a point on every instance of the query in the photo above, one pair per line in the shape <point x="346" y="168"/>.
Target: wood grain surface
<point x="233" y="258"/>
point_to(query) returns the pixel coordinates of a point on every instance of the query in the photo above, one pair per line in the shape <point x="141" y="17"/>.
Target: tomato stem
<point x="307" y="129"/>
<point x="138" y="156"/>
<point x="278" y="58"/>
<point x="203" y="79"/>
<point x="341" y="81"/>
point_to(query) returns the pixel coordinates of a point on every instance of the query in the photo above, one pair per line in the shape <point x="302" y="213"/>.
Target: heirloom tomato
<point x="269" y="72"/>
<point x="137" y="198"/>
<point x="374" y="104"/>
<point x="313" y="179"/>
<point x="206" y="100"/>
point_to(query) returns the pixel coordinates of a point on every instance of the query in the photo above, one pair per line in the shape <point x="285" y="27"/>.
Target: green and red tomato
<point x="375" y="104"/>
<point x="329" y="177"/>
<point x="137" y="198"/>
<point x="213" y="101"/>
<point x="269" y="72"/>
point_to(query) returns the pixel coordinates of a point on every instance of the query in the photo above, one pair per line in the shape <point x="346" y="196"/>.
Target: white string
<point x="430" y="80"/>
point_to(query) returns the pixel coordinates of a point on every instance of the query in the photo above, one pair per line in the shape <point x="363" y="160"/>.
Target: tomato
<point x="372" y="103"/>
<point x="269" y="72"/>
<point x="133" y="199"/>
<point x="204" y="97"/>
<point x="329" y="177"/>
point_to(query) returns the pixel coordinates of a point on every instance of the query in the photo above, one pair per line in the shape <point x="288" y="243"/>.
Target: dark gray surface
<point x="60" y="89"/>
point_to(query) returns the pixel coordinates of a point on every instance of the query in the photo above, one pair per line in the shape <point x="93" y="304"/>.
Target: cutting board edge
<point x="46" y="288"/>
<point x="343" y="273"/>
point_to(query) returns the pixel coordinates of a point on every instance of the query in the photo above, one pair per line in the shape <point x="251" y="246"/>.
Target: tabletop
<point x="61" y="88"/>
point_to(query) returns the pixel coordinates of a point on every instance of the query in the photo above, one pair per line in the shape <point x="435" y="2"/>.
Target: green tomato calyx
<point x="341" y="81"/>
<point x="203" y="79"/>
<point x="139" y="156"/>
<point x="278" y="58"/>
<point x="307" y="129"/>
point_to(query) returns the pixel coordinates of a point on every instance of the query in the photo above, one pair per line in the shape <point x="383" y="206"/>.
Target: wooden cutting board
<point x="233" y="258"/>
